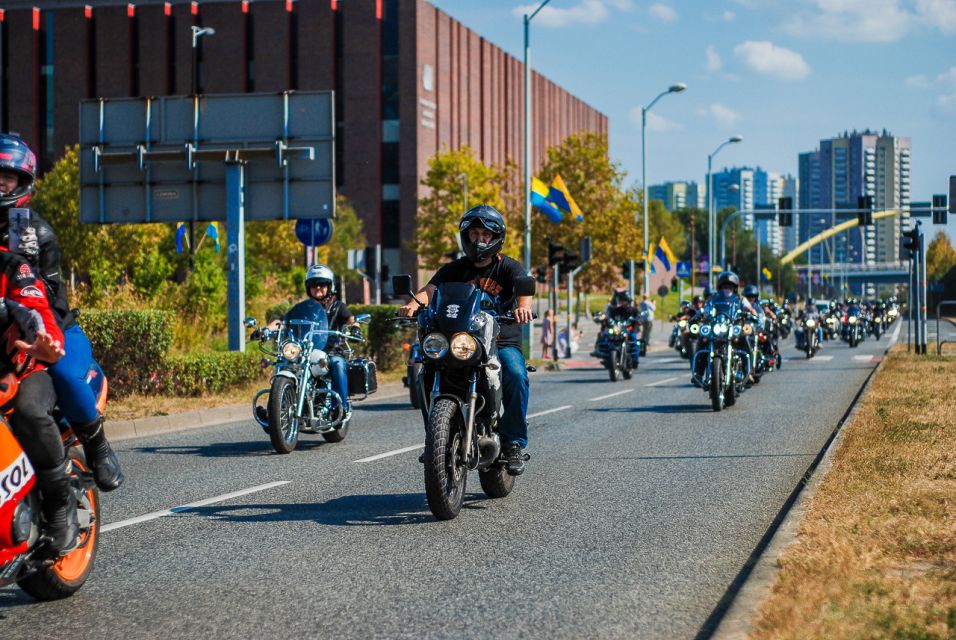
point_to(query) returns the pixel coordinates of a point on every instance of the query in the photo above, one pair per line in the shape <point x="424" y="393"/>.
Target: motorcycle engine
<point x="318" y="363"/>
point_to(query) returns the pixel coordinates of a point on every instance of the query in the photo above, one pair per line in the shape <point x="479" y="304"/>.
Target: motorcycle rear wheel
<point x="716" y="384"/>
<point x="496" y="482"/>
<point x="282" y="407"/>
<point x="445" y="471"/>
<point x="70" y="572"/>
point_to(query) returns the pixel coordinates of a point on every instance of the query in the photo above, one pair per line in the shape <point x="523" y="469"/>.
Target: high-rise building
<point x="809" y="197"/>
<point x="678" y="195"/>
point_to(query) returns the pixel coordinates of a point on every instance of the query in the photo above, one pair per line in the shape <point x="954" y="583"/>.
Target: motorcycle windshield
<point x="455" y="305"/>
<point x="721" y="304"/>
<point x="308" y="316"/>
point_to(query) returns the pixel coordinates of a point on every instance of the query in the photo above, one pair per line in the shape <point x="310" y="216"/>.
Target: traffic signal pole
<point x="922" y="288"/>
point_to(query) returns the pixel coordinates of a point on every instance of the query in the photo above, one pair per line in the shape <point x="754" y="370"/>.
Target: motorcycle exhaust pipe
<point x="489" y="447"/>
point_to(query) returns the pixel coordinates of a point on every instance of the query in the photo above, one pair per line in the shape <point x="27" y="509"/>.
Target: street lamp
<point x="677" y="88"/>
<point x="464" y="190"/>
<point x="711" y="216"/>
<point x="198" y="32"/>
<point x="527" y="136"/>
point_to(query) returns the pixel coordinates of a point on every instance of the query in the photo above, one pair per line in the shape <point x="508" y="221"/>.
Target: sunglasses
<point x="490" y="225"/>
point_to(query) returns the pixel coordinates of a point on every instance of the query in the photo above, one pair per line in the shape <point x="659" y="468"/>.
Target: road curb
<point x="738" y="620"/>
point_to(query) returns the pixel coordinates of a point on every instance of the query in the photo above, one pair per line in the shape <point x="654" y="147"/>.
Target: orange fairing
<point x="73" y="565"/>
<point x="8" y="389"/>
<point x="101" y="400"/>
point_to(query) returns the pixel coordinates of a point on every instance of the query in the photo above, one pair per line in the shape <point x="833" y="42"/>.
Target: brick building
<point x="408" y="79"/>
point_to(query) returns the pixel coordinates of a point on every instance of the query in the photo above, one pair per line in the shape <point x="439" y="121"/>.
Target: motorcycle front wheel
<point x="283" y="430"/>
<point x="626" y="369"/>
<point x="414" y="389"/>
<point x="445" y="472"/>
<point x="717" y="384"/>
<point x="613" y="366"/>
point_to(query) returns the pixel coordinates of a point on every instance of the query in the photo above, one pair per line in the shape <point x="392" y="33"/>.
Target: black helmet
<point x="487" y="217"/>
<point x="728" y="277"/>
<point x="620" y="298"/>
<point x="698" y="299"/>
<point x="750" y="291"/>
<point x="16" y="156"/>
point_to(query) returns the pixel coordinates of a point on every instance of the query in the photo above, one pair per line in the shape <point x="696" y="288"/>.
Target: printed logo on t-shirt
<point x="24" y="272"/>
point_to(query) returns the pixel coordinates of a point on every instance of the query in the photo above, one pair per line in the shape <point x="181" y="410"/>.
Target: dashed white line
<point x="543" y="413"/>
<point x="610" y="395"/>
<point x="665" y="380"/>
<point x="864" y="358"/>
<point x="192" y="505"/>
<point x="392" y="453"/>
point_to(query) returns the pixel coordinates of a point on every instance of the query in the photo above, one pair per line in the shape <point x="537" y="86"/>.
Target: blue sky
<point x="781" y="73"/>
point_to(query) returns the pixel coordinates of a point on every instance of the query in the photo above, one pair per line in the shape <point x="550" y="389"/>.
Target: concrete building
<point x="408" y="81"/>
<point x="679" y="195"/>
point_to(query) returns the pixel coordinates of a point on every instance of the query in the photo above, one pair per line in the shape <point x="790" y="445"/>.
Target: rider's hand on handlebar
<point x="522" y="315"/>
<point x="408" y="310"/>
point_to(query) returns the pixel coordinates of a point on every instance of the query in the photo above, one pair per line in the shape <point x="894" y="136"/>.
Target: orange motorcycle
<point x="25" y="558"/>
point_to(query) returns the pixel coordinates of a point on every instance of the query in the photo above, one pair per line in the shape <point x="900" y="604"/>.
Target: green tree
<point x="348" y="234"/>
<point x="441" y="208"/>
<point x="940" y="256"/>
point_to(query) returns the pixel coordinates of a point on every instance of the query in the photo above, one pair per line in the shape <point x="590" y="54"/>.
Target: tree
<point x="940" y="256"/>
<point x="443" y="205"/>
<point x="348" y="234"/>
<point x="609" y="212"/>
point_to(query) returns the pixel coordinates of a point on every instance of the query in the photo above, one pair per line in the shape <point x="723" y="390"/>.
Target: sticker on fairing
<point x="451" y="311"/>
<point x="14" y="478"/>
<point x="31" y="292"/>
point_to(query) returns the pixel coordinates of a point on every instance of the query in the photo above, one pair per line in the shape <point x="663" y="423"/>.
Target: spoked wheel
<point x="445" y="472"/>
<point x="733" y="391"/>
<point x="69" y="573"/>
<point x="339" y="434"/>
<point x="283" y="421"/>
<point x="717" y="384"/>
<point x="614" y="368"/>
<point x="496" y="482"/>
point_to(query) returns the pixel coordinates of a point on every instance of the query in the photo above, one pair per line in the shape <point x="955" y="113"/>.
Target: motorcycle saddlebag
<point x="361" y="377"/>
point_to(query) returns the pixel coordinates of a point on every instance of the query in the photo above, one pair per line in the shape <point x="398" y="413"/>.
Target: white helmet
<point x="320" y="274"/>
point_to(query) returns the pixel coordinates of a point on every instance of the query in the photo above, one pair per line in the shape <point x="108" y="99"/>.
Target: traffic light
<point x="569" y="261"/>
<point x="865" y="214"/>
<point x="626" y="269"/>
<point x="555" y="252"/>
<point x="939" y="209"/>
<point x="785" y="217"/>
<point x="541" y="274"/>
<point x="674" y="284"/>
<point x="909" y="244"/>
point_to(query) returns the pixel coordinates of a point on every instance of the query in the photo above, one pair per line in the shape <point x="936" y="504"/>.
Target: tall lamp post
<point x="711" y="214"/>
<point x="677" y="88"/>
<point x="198" y="32"/>
<point x="527" y="135"/>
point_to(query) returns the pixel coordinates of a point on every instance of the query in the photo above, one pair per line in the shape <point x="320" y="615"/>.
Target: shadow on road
<point x="13" y="597"/>
<point x="658" y="408"/>
<point x="233" y="449"/>
<point x="387" y="406"/>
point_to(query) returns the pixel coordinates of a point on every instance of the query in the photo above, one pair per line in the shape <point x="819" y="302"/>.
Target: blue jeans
<point x="513" y="426"/>
<point x="74" y="395"/>
<point x="340" y="380"/>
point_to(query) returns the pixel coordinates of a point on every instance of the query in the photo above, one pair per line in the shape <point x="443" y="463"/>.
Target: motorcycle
<point x="726" y="367"/>
<point x="457" y="331"/>
<point x="300" y="397"/>
<point x="25" y="557"/>
<point x="853" y="327"/>
<point x="784" y="324"/>
<point x="808" y="340"/>
<point x="412" y="372"/>
<point x="617" y="346"/>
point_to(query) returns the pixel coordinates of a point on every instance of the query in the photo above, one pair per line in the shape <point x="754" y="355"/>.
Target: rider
<point x="320" y="287"/>
<point x="39" y="246"/>
<point x="482" y="235"/>
<point x="621" y="308"/>
<point x="810" y="310"/>
<point x="727" y="284"/>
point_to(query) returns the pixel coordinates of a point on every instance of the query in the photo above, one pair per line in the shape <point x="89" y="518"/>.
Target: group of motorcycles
<point x="622" y="341"/>
<point x="852" y="321"/>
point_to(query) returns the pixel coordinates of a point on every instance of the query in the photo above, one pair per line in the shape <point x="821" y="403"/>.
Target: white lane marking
<point x="542" y="413"/>
<point x="665" y="380"/>
<point x="864" y="358"/>
<point x="610" y="395"/>
<point x="392" y="453"/>
<point x="192" y="505"/>
<point x="896" y="334"/>
<point x="669" y="360"/>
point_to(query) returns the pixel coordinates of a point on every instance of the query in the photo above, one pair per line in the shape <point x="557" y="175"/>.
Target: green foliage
<point x="385" y="336"/>
<point x="131" y="346"/>
<point x="211" y="372"/>
<point x="348" y="234"/>
<point x="940" y="256"/>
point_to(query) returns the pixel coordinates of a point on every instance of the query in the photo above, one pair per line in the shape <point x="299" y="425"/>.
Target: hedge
<point x="196" y="374"/>
<point x="385" y="336"/>
<point x="131" y="346"/>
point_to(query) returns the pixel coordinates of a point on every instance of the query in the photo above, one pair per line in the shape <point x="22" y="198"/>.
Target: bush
<point x="385" y="336"/>
<point x="213" y="372"/>
<point x="131" y="346"/>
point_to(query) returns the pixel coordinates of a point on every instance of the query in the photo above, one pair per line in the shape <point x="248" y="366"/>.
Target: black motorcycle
<point x="725" y="369"/>
<point x="457" y="332"/>
<point x="617" y="346"/>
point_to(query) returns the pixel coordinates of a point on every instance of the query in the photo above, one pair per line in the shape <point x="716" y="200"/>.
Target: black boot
<point x="101" y="458"/>
<point x="59" y="507"/>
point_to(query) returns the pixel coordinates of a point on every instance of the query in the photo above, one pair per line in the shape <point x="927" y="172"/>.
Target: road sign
<point x="683" y="269"/>
<point x="663" y="290"/>
<point x="315" y="232"/>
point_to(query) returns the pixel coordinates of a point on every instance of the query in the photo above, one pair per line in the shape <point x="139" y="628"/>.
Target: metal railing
<point x="940" y="342"/>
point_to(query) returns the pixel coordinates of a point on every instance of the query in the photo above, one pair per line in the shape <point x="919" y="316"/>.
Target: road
<point x="638" y="509"/>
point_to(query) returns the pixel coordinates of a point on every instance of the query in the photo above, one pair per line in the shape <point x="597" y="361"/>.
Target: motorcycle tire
<point x="70" y="572"/>
<point x="445" y="471"/>
<point x="613" y="370"/>
<point x="496" y="482"/>
<point x="282" y="402"/>
<point x="414" y="389"/>
<point x="626" y="369"/>
<point x="717" y="384"/>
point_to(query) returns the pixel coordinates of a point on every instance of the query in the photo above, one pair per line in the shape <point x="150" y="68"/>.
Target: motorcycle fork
<point x="728" y="365"/>
<point x="470" y="418"/>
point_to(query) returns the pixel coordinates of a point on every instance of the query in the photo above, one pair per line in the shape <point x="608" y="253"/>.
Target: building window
<point x="47" y="72"/>
<point x="391" y="231"/>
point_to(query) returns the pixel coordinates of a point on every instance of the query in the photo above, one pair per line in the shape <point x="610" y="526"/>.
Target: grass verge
<point x="875" y="555"/>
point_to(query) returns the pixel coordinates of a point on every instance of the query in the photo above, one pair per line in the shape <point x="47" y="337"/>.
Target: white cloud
<point x="919" y="81"/>
<point x="946" y="103"/>
<point x="723" y="115"/>
<point x="663" y="12"/>
<point x="713" y="60"/>
<point x="728" y="16"/>
<point x="585" y="12"/>
<point x="655" y="122"/>
<point x="871" y="20"/>
<point x="948" y="77"/>
<point x="769" y="59"/>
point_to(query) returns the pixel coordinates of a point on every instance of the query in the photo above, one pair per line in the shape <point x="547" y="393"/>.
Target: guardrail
<point x="939" y="342"/>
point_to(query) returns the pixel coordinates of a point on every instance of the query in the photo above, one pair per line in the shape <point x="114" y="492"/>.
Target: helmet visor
<point x="491" y="225"/>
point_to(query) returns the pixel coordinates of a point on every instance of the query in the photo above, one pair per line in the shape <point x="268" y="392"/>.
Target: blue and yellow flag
<point x="561" y="197"/>
<point x="213" y="232"/>
<point x="767" y="274"/>
<point x="665" y="255"/>
<point x="181" y="237"/>
<point x="540" y="199"/>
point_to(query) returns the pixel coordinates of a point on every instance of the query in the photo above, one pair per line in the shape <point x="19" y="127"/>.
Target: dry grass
<point x="875" y="556"/>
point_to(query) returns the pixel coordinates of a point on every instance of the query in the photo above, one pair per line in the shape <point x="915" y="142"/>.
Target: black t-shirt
<point x="497" y="280"/>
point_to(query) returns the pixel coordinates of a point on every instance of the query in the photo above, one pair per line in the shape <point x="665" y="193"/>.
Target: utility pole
<point x="693" y="262"/>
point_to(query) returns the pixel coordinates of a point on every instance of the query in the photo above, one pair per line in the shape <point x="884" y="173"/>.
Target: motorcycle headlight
<point x="705" y="330"/>
<point x="852" y="319"/>
<point x="435" y="346"/>
<point x="463" y="346"/>
<point x="720" y="329"/>
<point x="736" y="330"/>
<point x="291" y="351"/>
<point x="694" y="328"/>
<point x="811" y="324"/>
<point x="682" y="324"/>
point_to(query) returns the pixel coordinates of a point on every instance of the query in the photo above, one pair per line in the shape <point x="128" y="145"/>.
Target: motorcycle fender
<point x="285" y="374"/>
<point x="458" y="401"/>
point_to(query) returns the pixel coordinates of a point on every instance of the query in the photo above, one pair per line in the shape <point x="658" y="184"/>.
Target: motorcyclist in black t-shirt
<point x="482" y="235"/>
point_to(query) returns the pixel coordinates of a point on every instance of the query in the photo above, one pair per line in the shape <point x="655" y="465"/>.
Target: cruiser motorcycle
<point x="300" y="397"/>
<point x="617" y="346"/>
<point x="461" y="389"/>
<point x="720" y="368"/>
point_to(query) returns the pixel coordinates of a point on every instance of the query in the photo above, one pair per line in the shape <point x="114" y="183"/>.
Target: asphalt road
<point x="638" y="508"/>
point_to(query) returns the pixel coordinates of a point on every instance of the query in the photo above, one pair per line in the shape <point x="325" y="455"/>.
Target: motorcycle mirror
<point x="524" y="286"/>
<point x="402" y="284"/>
<point x="249" y="322"/>
<point x="363" y="318"/>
